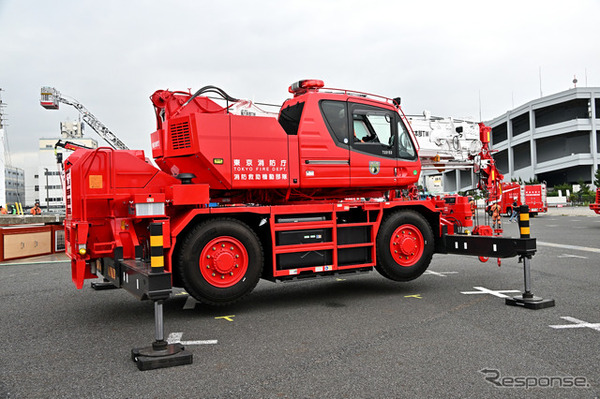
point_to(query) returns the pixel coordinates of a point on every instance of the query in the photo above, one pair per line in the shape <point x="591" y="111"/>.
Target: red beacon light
<point x="302" y="86"/>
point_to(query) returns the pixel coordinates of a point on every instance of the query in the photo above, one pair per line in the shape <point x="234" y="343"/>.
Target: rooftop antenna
<point x="574" y="81"/>
<point x="540" y="72"/>
<point x="480" y="106"/>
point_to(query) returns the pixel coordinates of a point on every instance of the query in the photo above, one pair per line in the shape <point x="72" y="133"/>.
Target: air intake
<point x="180" y="135"/>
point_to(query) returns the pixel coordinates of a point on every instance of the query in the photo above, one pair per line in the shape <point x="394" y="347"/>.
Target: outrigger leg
<point x="527" y="299"/>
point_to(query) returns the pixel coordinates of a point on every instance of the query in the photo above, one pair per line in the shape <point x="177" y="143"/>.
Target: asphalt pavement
<point x="446" y="334"/>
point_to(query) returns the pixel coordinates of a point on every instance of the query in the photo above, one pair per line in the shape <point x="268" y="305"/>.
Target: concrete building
<point x="553" y="138"/>
<point x="14" y="185"/>
<point x="12" y="180"/>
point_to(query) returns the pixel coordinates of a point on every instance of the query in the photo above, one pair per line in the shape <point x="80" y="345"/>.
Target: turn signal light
<point x="82" y="251"/>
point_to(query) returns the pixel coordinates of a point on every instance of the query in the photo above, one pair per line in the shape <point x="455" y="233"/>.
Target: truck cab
<point x="351" y="139"/>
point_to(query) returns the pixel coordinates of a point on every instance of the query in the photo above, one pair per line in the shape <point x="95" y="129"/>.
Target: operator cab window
<point x="373" y="130"/>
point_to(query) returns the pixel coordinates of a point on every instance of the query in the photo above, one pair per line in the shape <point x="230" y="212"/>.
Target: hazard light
<point x="302" y="86"/>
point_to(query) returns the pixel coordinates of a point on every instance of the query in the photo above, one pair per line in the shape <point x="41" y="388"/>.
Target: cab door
<point x="373" y="146"/>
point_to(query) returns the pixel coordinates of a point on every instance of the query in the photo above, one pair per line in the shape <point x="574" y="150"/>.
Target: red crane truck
<point x="326" y="187"/>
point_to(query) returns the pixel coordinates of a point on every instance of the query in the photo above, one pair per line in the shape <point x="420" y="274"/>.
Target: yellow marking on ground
<point x="228" y="318"/>
<point x="418" y="296"/>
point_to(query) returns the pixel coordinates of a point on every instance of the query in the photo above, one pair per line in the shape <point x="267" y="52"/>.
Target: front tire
<point x="220" y="261"/>
<point x="405" y="246"/>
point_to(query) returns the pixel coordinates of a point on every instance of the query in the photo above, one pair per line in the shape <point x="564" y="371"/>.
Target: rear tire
<point x="220" y="261"/>
<point x="405" y="246"/>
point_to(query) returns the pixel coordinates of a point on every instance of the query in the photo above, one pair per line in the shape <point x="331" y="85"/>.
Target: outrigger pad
<point x="534" y="303"/>
<point x="151" y="357"/>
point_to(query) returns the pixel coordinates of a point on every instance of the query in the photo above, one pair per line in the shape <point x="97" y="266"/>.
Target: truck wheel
<point x="404" y="246"/>
<point x="220" y="261"/>
<point x="508" y="212"/>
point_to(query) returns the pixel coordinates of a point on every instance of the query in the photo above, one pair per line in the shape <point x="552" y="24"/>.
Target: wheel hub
<point x="223" y="261"/>
<point x="407" y="245"/>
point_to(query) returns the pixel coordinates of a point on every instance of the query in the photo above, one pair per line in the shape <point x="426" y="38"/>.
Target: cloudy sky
<point x="442" y="56"/>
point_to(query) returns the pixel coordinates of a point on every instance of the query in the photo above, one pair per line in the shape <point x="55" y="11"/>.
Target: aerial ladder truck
<point x="51" y="99"/>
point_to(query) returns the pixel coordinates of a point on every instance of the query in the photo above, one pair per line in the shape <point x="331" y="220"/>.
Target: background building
<point x="553" y="139"/>
<point x="12" y="180"/>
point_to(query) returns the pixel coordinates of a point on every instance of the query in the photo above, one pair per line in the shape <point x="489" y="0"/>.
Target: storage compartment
<point x="304" y="259"/>
<point x="311" y="236"/>
<point x="302" y="218"/>
<point x="354" y="256"/>
<point x="353" y="235"/>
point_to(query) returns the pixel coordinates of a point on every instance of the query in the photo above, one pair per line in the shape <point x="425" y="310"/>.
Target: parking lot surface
<point x="445" y="334"/>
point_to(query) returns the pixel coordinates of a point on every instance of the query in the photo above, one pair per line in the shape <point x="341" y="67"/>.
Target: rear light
<point x="302" y="86"/>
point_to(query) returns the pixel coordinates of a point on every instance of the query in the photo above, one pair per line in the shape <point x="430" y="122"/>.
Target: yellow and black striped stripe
<point x="524" y="221"/>
<point x="157" y="259"/>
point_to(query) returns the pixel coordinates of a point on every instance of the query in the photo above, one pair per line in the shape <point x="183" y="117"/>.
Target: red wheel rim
<point x="407" y="245"/>
<point x="223" y="261"/>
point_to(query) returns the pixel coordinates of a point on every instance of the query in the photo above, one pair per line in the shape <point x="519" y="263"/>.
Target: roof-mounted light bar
<point x="302" y="86"/>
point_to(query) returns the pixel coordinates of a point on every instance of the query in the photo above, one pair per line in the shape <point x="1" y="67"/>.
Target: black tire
<point x="410" y="232"/>
<point x="508" y="212"/>
<point x="202" y="278"/>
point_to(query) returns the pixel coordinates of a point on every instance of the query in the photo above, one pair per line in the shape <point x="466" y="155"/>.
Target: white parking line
<point x="565" y="246"/>
<point x="578" y="324"/>
<point x="175" y="338"/>
<point x="482" y="290"/>
<point x="440" y="274"/>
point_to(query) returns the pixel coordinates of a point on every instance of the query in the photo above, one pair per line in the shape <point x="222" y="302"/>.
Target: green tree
<point x="597" y="178"/>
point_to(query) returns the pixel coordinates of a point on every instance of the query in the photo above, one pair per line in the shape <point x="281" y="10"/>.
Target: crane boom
<point x="50" y="99"/>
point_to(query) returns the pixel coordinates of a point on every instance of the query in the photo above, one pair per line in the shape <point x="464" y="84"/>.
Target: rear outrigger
<point x="326" y="186"/>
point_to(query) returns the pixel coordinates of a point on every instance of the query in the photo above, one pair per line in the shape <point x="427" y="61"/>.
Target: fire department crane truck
<point x="326" y="187"/>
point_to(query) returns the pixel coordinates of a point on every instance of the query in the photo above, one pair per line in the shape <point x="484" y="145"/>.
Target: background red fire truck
<point x="532" y="195"/>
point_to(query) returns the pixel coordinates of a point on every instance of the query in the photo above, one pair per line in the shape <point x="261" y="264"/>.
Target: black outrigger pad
<point x="151" y="357"/>
<point x="534" y="302"/>
<point x="103" y="286"/>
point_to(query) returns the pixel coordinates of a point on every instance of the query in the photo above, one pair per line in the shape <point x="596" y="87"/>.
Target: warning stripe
<point x="157" y="259"/>
<point x="156" y="241"/>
